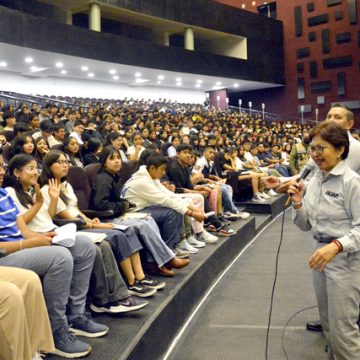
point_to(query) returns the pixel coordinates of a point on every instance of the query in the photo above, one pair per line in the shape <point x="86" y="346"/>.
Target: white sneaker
<point x="181" y="254"/>
<point x="184" y="245"/>
<point x="193" y="241"/>
<point x="265" y="195"/>
<point x="243" y="215"/>
<point x="208" y="238"/>
<point x="258" y="198"/>
<point x="271" y="192"/>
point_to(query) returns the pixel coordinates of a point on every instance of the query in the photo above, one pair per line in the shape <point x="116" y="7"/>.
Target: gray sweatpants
<point x="65" y="273"/>
<point x="337" y="290"/>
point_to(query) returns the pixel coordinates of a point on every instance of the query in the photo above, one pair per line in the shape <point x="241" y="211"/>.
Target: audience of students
<point x="201" y="147"/>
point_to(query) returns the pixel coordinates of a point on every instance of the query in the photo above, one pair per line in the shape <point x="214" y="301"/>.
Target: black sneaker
<point x="147" y="281"/>
<point x="121" y="306"/>
<point x="140" y="290"/>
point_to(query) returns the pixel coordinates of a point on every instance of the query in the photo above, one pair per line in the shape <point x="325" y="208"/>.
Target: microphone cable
<point x="273" y="293"/>
<point x="274" y="284"/>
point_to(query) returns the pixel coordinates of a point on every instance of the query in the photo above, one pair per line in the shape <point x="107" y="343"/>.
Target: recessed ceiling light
<point x="178" y="79"/>
<point x="199" y="81"/>
<point x="63" y="72"/>
<point x="91" y="74"/>
<point x="138" y="74"/>
<point x="116" y="77"/>
<point x="218" y="83"/>
<point x="236" y="85"/>
<point x="197" y="85"/>
<point x="179" y="84"/>
<point x="59" y="64"/>
<point x="161" y="77"/>
<point x="29" y="60"/>
<point x="3" y="64"/>
<point x="159" y="82"/>
<point x="112" y="71"/>
<point x="138" y="80"/>
<point x="84" y="68"/>
<point x="34" y="68"/>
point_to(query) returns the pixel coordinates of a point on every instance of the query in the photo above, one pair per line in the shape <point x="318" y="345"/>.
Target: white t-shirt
<point x="42" y="221"/>
<point x="132" y="150"/>
<point x="71" y="207"/>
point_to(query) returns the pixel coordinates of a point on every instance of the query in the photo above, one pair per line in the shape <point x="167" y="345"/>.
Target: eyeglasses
<point x="63" y="162"/>
<point x="319" y="150"/>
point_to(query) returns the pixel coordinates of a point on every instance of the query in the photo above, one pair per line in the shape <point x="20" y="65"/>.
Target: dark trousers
<point x="106" y="283"/>
<point x="169" y="222"/>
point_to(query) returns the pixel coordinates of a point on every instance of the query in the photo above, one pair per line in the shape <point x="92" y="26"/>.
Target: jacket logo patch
<point x="332" y="194"/>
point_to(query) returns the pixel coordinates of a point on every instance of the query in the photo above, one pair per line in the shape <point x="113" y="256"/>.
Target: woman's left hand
<point x="321" y="257"/>
<point x="95" y="221"/>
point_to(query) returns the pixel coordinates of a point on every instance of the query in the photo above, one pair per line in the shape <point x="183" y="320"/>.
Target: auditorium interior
<point x="233" y="67"/>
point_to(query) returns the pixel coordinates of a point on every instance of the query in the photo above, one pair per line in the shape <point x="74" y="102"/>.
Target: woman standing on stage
<point x="330" y="209"/>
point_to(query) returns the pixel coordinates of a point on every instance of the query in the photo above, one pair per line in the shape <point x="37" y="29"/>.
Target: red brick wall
<point x="286" y="101"/>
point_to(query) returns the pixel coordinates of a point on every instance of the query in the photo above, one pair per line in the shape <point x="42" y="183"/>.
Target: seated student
<point x="9" y="121"/>
<point x="171" y="150"/>
<point x="247" y="173"/>
<point x="107" y="195"/>
<point x="34" y="124"/>
<point x="134" y="151"/>
<point x="205" y="166"/>
<point x="91" y="151"/>
<point x="148" y="194"/>
<point x="91" y="131"/>
<point x="65" y="273"/>
<point x="119" y="142"/>
<point x="24" y="322"/>
<point x="46" y="130"/>
<point x="179" y="173"/>
<point x="273" y="159"/>
<point x="108" y="291"/>
<point x="23" y="144"/>
<point x="79" y="129"/>
<point x="125" y="244"/>
<point x="58" y="135"/>
<point x="41" y="149"/>
<point x="72" y="151"/>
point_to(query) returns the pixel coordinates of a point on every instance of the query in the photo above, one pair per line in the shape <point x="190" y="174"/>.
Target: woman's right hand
<point x="296" y="191"/>
<point x="42" y="239"/>
<point x="54" y="189"/>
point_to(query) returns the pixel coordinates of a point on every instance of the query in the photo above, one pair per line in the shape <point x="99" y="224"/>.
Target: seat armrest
<point x="101" y="214"/>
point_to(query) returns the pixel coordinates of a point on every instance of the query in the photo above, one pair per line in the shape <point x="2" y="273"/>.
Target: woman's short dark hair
<point x="334" y="134"/>
<point x="106" y="152"/>
<point x="92" y="145"/>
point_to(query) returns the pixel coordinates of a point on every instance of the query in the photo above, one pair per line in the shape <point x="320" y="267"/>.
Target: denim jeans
<point x="65" y="273"/>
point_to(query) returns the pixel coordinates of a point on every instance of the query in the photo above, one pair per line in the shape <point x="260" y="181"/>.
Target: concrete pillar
<point x="68" y="19"/>
<point x="166" y="38"/>
<point x="95" y="17"/>
<point x="189" y="38"/>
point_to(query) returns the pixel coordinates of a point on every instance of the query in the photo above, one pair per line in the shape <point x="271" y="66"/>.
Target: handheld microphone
<point x="307" y="170"/>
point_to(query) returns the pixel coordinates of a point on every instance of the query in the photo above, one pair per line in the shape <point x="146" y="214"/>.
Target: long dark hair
<point x="70" y="155"/>
<point x="19" y="142"/>
<point x="50" y="158"/>
<point x="18" y="162"/>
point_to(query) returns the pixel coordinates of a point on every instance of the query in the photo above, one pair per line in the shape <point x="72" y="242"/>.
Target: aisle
<point x="231" y="323"/>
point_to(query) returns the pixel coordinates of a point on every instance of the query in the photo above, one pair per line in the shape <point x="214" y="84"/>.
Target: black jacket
<point x="106" y="194"/>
